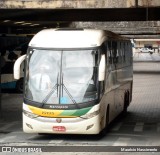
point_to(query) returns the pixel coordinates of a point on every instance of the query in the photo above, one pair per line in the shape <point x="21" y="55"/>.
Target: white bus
<point x="76" y="81"/>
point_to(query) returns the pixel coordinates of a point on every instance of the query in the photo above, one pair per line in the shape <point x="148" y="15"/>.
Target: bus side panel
<point x="107" y="100"/>
<point x="124" y="82"/>
<point x="117" y="83"/>
<point x="110" y="93"/>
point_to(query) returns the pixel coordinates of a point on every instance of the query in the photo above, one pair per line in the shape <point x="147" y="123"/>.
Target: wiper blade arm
<point x="50" y="93"/>
<point x="70" y="96"/>
<point x="68" y="93"/>
<point x="56" y="88"/>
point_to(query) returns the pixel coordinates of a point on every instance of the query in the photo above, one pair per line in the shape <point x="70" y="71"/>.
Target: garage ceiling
<point x="32" y="20"/>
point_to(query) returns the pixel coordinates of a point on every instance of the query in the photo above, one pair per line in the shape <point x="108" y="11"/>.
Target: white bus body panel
<point x="72" y="127"/>
<point x="52" y="38"/>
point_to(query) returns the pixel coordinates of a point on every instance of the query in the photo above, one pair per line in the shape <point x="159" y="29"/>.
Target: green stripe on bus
<point x="78" y="112"/>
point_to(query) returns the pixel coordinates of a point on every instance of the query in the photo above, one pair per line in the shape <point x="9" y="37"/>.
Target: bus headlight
<point x="29" y="114"/>
<point x="90" y="115"/>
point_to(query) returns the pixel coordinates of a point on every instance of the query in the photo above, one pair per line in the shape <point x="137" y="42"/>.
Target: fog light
<point x="30" y="126"/>
<point x="89" y="126"/>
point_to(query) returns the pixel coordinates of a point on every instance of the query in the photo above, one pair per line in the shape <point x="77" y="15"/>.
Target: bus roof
<point x="71" y="38"/>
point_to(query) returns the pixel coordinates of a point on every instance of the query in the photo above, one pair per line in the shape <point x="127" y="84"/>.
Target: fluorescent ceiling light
<point x="5" y="21"/>
<point x="19" y="22"/>
<point x="26" y="24"/>
<point x="35" y="25"/>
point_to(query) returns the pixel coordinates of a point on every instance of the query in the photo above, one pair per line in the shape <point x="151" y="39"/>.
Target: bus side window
<point x="127" y="53"/>
<point x="118" y="53"/>
<point x="130" y="53"/>
<point x="115" y="56"/>
<point x="110" y="54"/>
<point x="123" y="51"/>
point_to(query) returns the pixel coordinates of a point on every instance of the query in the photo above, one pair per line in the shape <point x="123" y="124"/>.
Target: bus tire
<point x="19" y="85"/>
<point x="126" y="102"/>
<point x="104" y="131"/>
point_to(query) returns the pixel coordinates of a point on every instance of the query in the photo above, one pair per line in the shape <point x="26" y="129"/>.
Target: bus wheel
<point x="126" y="102"/>
<point x="19" y="85"/>
<point x="104" y="131"/>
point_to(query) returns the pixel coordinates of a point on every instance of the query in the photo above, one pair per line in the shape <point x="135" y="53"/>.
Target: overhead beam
<point x="94" y="14"/>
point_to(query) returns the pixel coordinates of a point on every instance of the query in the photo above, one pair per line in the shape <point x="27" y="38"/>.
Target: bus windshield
<point x="61" y="77"/>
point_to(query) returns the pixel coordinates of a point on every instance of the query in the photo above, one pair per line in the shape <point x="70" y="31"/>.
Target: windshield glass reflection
<point x="61" y="77"/>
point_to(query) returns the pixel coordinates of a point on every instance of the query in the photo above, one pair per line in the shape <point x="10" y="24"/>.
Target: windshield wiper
<point x="67" y="91"/>
<point x="55" y="87"/>
<point x="50" y="93"/>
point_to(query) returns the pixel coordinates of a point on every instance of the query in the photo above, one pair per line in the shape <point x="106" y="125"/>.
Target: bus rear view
<point x="64" y="82"/>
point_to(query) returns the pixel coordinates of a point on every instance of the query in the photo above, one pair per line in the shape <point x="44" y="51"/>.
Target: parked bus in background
<point x="76" y="80"/>
<point x="9" y="57"/>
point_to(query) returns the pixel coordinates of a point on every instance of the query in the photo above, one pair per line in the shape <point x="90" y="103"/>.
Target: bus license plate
<point x="59" y="128"/>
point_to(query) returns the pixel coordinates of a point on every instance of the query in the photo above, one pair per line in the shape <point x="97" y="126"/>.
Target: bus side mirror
<point x="17" y="66"/>
<point x="102" y="67"/>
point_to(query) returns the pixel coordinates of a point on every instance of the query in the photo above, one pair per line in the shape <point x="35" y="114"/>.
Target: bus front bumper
<point x="65" y="125"/>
